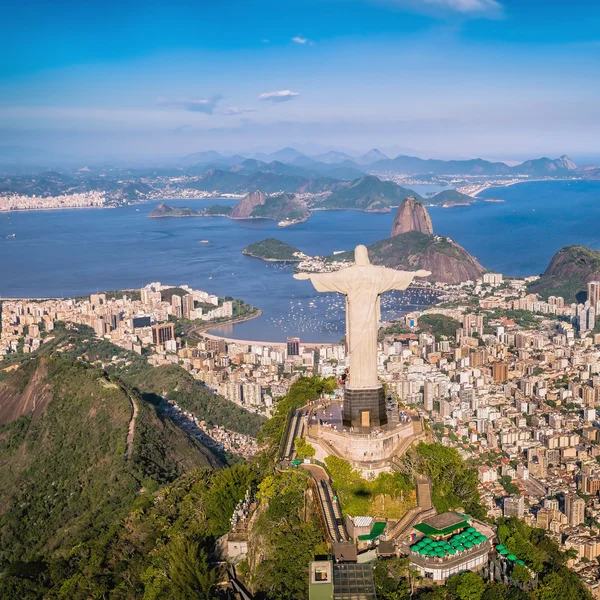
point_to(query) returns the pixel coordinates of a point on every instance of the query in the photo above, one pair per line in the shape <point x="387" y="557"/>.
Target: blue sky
<point x="503" y="79"/>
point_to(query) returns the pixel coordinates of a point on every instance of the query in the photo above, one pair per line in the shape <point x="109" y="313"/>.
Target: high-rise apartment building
<point x="428" y="395"/>
<point x="472" y="324"/>
<point x="500" y="372"/>
<point x="514" y="506"/>
<point x="574" y="509"/>
<point x="177" y="305"/>
<point x="162" y="333"/>
<point x="187" y="306"/>
<point x="593" y="289"/>
<point x="293" y="346"/>
<point x="586" y="317"/>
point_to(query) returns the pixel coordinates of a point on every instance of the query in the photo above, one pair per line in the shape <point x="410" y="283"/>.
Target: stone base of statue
<point x="364" y="409"/>
<point x="369" y="453"/>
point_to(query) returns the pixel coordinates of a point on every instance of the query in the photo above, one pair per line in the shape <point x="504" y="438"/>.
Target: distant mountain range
<point x="375" y="161"/>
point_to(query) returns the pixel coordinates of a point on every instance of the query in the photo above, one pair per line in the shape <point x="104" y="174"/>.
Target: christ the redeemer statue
<point x="362" y="284"/>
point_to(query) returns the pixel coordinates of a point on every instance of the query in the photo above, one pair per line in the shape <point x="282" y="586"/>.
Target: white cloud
<point x="202" y="105"/>
<point x="301" y="40"/>
<point x="278" y="96"/>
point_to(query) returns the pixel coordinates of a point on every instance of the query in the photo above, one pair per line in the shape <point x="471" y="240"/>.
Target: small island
<point x="274" y="250"/>
<point x="449" y="198"/>
<point x="164" y="210"/>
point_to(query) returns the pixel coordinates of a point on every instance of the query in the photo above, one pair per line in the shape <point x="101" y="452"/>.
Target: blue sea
<point x="80" y="251"/>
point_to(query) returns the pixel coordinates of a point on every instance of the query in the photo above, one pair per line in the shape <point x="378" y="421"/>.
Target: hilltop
<point x="451" y="198"/>
<point x="568" y="273"/>
<point x="412" y="216"/>
<point x="164" y="210"/>
<point x="68" y="467"/>
<point x="273" y="249"/>
<point x="447" y="261"/>
<point x="367" y="193"/>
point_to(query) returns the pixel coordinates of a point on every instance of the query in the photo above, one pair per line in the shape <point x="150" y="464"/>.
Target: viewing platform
<point x="371" y="452"/>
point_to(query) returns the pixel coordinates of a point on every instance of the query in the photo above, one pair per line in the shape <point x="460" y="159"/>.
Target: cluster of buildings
<point x="131" y="321"/>
<point x="519" y="402"/>
<point x="94" y="199"/>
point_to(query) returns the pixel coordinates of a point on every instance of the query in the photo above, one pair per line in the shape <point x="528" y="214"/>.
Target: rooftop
<point x="443" y="524"/>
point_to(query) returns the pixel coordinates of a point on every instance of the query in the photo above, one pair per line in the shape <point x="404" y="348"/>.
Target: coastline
<point x="282" y="260"/>
<point x="202" y="329"/>
<point x="486" y="186"/>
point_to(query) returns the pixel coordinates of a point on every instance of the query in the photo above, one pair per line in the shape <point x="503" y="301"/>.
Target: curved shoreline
<point x="485" y="187"/>
<point x="201" y="329"/>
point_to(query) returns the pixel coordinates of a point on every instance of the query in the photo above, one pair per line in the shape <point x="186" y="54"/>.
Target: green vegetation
<point x="451" y="198"/>
<point x="389" y="495"/>
<point x="523" y="318"/>
<point x="395" y="328"/>
<point x="283" y="206"/>
<point x="414" y="250"/>
<point x="439" y="325"/>
<point x="366" y="193"/>
<point x="64" y="474"/>
<point x="303" y="448"/>
<point x="272" y="249"/>
<point x="301" y="392"/>
<point x="507" y="483"/>
<point x="217" y="210"/>
<point x="164" y="210"/>
<point x="568" y="273"/>
<point x="288" y="540"/>
<point x="454" y="484"/>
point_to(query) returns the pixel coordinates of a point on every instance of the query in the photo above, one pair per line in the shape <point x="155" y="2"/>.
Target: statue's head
<point x="361" y="256"/>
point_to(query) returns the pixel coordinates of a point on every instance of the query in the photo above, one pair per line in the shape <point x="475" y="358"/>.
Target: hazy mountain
<point x="286" y="155"/>
<point x="367" y="193"/>
<point x="371" y="156"/>
<point x="411" y="165"/>
<point x="546" y="166"/>
<point x="332" y="157"/>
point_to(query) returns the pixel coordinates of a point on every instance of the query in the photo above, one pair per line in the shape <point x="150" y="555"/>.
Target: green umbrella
<point x="460" y="548"/>
<point x="520" y="562"/>
<point x="511" y="557"/>
<point x="440" y="553"/>
<point x="451" y="551"/>
<point x="504" y="552"/>
<point x="500" y="547"/>
<point x="471" y="530"/>
<point x="423" y="551"/>
<point x="468" y="544"/>
<point x="427" y="541"/>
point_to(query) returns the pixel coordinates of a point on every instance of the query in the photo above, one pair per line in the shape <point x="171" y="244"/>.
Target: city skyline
<point x="442" y="78"/>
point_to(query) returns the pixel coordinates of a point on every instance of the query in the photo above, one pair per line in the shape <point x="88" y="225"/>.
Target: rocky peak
<point x="243" y="209"/>
<point x="566" y="163"/>
<point x="412" y="216"/>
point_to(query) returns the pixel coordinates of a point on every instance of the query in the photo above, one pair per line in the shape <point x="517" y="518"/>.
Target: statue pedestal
<point x="364" y="409"/>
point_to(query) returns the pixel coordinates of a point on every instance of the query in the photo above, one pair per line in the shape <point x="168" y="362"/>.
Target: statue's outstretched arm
<point x="400" y="280"/>
<point x="325" y="282"/>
